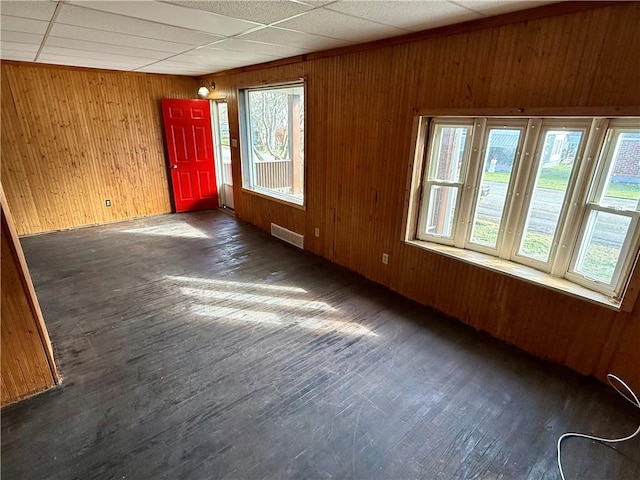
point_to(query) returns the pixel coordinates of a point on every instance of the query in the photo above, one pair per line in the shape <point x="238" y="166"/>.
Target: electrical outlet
<point x="234" y="143"/>
<point x="107" y="203"/>
<point x="385" y="258"/>
<point x="317" y="232"/>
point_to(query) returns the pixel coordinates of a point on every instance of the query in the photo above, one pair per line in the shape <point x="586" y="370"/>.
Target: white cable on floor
<point x="633" y="399"/>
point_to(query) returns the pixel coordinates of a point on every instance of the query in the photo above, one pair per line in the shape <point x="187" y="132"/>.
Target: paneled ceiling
<point x="199" y="37"/>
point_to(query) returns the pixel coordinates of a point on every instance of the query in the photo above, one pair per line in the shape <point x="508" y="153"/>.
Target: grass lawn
<point x="600" y="261"/>
<point x="536" y="245"/>
<point x="557" y="178"/>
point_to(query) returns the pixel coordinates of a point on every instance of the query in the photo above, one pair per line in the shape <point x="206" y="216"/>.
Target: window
<point x="608" y="234"/>
<point x="222" y="144"/>
<point x="559" y="195"/>
<point x="272" y="124"/>
<point x="445" y="179"/>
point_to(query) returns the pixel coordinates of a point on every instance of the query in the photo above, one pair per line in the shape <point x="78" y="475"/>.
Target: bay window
<point x="560" y="195"/>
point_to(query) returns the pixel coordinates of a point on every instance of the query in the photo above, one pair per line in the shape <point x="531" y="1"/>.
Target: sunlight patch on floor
<point x="279" y="302"/>
<point x="236" y="314"/>
<point x="177" y="230"/>
<point x="318" y="325"/>
<point x="268" y="305"/>
<point x="239" y="285"/>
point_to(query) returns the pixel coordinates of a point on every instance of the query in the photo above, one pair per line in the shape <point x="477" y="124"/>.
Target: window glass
<point x="225" y="144"/>
<point x="274" y="162"/>
<point x="441" y="213"/>
<point x="448" y="157"/>
<point x="622" y="183"/>
<point x="601" y="245"/>
<point x="500" y="155"/>
<point x="554" y="171"/>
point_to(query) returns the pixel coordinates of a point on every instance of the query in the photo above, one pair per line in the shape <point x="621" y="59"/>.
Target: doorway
<point x="191" y="158"/>
<point x="222" y="143"/>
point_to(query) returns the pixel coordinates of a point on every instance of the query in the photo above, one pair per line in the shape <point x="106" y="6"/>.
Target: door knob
<point x="174" y="166"/>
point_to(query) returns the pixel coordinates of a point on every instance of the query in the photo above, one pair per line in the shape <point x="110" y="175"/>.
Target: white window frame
<point x="542" y="126"/>
<point x="248" y="173"/>
<point x="631" y="242"/>
<point x="475" y="179"/>
<point x="429" y="184"/>
<point x="593" y="158"/>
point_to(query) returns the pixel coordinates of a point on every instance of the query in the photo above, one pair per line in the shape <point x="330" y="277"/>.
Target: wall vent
<point x="288" y="236"/>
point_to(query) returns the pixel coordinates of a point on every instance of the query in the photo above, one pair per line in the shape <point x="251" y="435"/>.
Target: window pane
<point x="601" y="245"/>
<point x="501" y="150"/>
<point x="552" y="179"/>
<point x="622" y="187"/>
<point x="276" y="135"/>
<point x="442" y="205"/>
<point x="225" y="145"/>
<point x="447" y="155"/>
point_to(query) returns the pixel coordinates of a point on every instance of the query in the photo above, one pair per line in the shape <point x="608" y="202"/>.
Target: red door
<point x="187" y="124"/>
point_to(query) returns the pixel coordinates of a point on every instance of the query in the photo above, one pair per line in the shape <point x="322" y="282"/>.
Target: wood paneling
<point x="73" y="138"/>
<point x="360" y="108"/>
<point x="26" y="358"/>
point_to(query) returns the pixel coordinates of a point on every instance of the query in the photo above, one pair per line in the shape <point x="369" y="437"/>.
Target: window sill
<point x="269" y="195"/>
<point x="522" y="272"/>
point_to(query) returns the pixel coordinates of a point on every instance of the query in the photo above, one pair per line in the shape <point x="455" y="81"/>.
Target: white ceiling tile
<point x="174" y="71"/>
<point x="316" y="3"/>
<point x="83" y="17"/>
<point x="38" y="10"/>
<point x="112" y="57"/>
<point x="25" y="25"/>
<point x="237" y="45"/>
<point x="221" y="55"/>
<point x="105" y="48"/>
<point x="235" y="64"/>
<point x="187" y="67"/>
<point x="175" y="15"/>
<point x="257" y="11"/>
<point x="88" y="34"/>
<point x="281" y="36"/>
<point x="20" y="47"/>
<point x="410" y="15"/>
<point x="18" y="51"/>
<point x="222" y="64"/>
<point x="172" y="63"/>
<point x="496" y="7"/>
<point x="17" y="55"/>
<point x="86" y="62"/>
<point x="186" y="61"/>
<point x="336" y="25"/>
<point x="19" y="37"/>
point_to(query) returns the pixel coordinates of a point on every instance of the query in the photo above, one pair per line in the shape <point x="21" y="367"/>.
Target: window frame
<point x="569" y="234"/>
<point x="246" y="160"/>
<point x="631" y="243"/>
<point x="422" y="218"/>
<point x="543" y="125"/>
<point x="498" y="124"/>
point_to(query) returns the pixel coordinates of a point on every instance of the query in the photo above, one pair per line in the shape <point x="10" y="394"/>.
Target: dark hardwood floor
<point x="193" y="346"/>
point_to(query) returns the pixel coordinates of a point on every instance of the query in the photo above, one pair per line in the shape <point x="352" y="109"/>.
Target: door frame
<point x="215" y="127"/>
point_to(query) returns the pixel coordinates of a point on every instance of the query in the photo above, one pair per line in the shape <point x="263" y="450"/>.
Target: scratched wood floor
<point x="193" y="346"/>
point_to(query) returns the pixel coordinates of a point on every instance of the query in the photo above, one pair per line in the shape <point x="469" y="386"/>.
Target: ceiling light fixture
<point x="204" y="91"/>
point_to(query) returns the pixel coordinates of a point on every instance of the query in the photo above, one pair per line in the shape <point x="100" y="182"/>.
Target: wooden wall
<point x="73" y="138"/>
<point x="26" y="359"/>
<point x="360" y="108"/>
